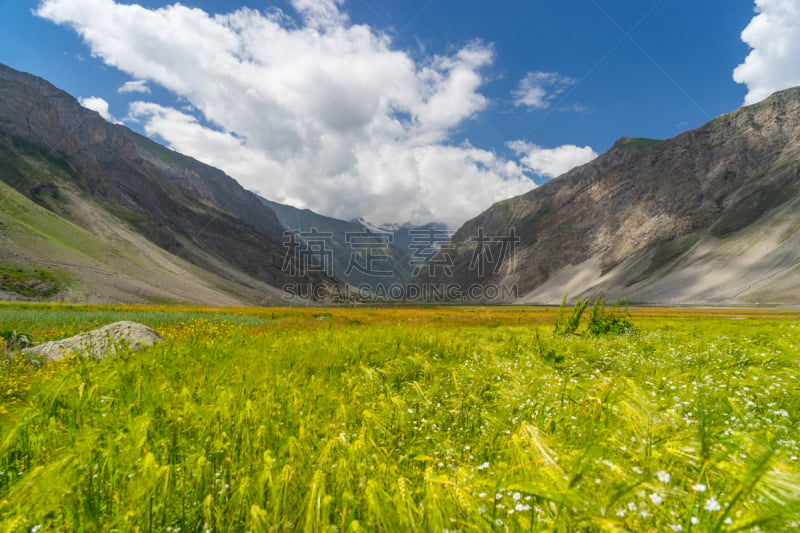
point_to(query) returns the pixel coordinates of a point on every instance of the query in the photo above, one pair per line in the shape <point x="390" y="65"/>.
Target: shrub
<point x="13" y="340"/>
<point x="601" y="321"/>
<point x="569" y="326"/>
<point x="615" y="322"/>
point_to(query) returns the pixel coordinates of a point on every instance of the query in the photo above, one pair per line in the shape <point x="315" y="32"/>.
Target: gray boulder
<point x="101" y="342"/>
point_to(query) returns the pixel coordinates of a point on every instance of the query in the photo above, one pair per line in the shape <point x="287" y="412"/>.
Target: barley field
<point x="405" y="419"/>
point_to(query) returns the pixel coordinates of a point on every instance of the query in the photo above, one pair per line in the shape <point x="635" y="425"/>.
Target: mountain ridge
<point x="391" y="247"/>
<point x="708" y="217"/>
<point x="58" y="154"/>
<point x="620" y="224"/>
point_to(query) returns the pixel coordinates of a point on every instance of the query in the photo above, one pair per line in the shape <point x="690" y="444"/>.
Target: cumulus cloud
<point x="135" y="86"/>
<point x="96" y="104"/>
<point x="774" y="36"/>
<point x="537" y="90"/>
<point x="320" y="13"/>
<point x="552" y="162"/>
<point x="308" y="109"/>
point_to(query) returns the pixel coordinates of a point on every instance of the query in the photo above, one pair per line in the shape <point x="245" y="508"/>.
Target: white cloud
<point x="317" y="112"/>
<point x="552" y="162"/>
<point x="320" y="13"/>
<point x="185" y="134"/>
<point x="537" y="90"/>
<point x="774" y="36"/>
<point x="135" y="86"/>
<point x="96" y="104"/>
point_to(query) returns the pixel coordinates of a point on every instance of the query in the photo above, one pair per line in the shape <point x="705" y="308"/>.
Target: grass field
<point x="424" y="419"/>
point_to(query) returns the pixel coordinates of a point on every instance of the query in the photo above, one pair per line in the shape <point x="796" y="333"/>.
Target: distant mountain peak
<point x="394" y="227"/>
<point x="377" y="228"/>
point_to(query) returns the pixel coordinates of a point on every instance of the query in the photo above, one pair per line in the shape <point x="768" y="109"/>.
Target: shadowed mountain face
<point x="366" y="257"/>
<point x="90" y="173"/>
<point x="357" y="257"/>
<point x="708" y="217"/>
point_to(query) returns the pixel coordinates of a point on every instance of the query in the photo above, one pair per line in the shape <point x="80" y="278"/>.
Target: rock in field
<point x="101" y="342"/>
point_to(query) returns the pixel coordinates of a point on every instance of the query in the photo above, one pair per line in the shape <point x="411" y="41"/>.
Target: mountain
<point x="393" y="251"/>
<point x="408" y="237"/>
<point x="365" y="256"/>
<point x="118" y="218"/>
<point x="708" y="217"/>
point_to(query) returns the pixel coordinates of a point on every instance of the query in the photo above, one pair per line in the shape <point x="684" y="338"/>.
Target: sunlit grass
<point x="457" y="419"/>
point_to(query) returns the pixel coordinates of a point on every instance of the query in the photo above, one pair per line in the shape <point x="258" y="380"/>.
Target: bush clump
<point x="616" y="322"/>
<point x="13" y="341"/>
<point x="29" y="282"/>
<point x="602" y="321"/>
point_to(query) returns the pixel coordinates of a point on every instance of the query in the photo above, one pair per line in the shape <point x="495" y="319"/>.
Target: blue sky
<point x="404" y="111"/>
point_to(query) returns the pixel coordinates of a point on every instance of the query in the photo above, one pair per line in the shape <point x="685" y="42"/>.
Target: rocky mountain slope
<point x="709" y="217"/>
<point x="360" y="257"/>
<point x="365" y="256"/>
<point x="120" y="218"/>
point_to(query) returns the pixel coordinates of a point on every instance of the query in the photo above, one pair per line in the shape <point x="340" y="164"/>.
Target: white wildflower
<point x="712" y="504"/>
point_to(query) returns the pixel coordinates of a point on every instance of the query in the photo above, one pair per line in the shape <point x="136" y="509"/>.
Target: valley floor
<point x="404" y="419"/>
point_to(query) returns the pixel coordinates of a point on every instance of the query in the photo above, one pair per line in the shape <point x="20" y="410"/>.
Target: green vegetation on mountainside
<point x="636" y="143"/>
